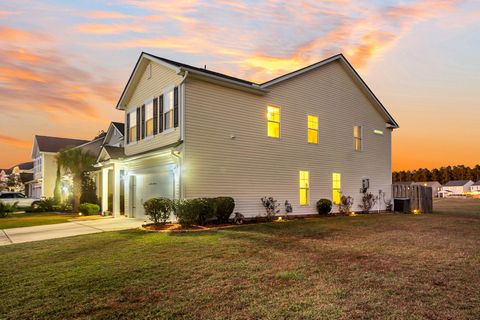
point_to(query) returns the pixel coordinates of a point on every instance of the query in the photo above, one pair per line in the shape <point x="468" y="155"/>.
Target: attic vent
<point x="149" y="71"/>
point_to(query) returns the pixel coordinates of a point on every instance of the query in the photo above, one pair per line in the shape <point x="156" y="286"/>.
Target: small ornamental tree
<point x="324" y="206"/>
<point x="368" y="202"/>
<point x="271" y="207"/>
<point x="345" y="205"/>
<point x="158" y="209"/>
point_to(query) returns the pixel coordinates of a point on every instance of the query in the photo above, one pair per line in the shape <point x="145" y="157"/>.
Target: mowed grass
<point x="17" y="220"/>
<point x="365" y="267"/>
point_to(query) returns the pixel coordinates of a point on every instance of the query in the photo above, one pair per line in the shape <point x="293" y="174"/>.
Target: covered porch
<point x="125" y="183"/>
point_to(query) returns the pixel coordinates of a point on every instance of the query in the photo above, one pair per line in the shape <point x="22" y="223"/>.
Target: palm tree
<point x="77" y="163"/>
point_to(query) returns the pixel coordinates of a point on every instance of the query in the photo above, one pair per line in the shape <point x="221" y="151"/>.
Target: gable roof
<point x="476" y="183"/>
<point x="180" y="69"/>
<point x="120" y="127"/>
<point x="55" y="144"/>
<point x="456" y="183"/>
<point x="110" y="152"/>
<point x="24" y="165"/>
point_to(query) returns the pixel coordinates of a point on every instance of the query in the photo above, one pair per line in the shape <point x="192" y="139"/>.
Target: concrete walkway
<point x="68" y="229"/>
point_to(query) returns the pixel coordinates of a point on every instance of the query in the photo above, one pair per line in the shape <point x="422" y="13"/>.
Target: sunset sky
<point x="63" y="64"/>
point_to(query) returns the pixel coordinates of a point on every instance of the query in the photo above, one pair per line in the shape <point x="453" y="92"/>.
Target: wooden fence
<point x="420" y="196"/>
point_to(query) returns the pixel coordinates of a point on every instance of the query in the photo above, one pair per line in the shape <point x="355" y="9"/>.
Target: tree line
<point x="442" y="174"/>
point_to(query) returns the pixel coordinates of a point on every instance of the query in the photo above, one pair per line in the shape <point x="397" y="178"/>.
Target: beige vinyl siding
<point x="253" y="165"/>
<point x="49" y="174"/>
<point x="162" y="79"/>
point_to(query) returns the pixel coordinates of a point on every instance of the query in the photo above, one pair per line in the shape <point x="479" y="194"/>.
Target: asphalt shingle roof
<point x="115" y="152"/>
<point x="120" y="126"/>
<point x="55" y="144"/>
<point x="456" y="183"/>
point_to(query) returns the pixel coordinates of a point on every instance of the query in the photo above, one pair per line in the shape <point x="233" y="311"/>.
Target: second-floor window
<point x="273" y="117"/>
<point x="149" y="119"/>
<point x="168" y="100"/>
<point x="312" y="129"/>
<point x="132" y="126"/>
<point x="357" y="137"/>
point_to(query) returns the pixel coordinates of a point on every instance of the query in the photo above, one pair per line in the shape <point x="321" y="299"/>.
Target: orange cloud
<point x="107" y="15"/>
<point x="8" y="34"/>
<point x="14" y="141"/>
<point x="97" y="28"/>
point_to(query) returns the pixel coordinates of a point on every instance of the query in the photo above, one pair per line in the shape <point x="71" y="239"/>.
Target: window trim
<point x="279" y="121"/>
<point x="147" y="102"/>
<point x="164" y="94"/>
<point x="134" y="111"/>
<point x="360" y="138"/>
<point x="300" y="188"/>
<point x="334" y="188"/>
<point x="308" y="129"/>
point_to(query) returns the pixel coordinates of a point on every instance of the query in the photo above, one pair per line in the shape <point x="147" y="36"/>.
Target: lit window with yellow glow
<point x="312" y="129"/>
<point x="273" y="116"/>
<point x="336" y="187"/>
<point x="304" y="188"/>
<point x="357" y="137"/>
<point x="149" y="119"/>
<point x="133" y="127"/>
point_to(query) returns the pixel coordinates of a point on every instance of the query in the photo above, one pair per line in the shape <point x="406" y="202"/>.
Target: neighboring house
<point x="435" y="185"/>
<point x="112" y="138"/>
<point x="44" y="151"/>
<point x="318" y="132"/>
<point x="13" y="179"/>
<point x="475" y="188"/>
<point x="455" y="188"/>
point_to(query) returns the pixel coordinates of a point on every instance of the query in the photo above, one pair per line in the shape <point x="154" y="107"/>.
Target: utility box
<point x="401" y="205"/>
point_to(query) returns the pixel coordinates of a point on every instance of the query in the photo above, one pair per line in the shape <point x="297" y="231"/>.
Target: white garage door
<point x="154" y="185"/>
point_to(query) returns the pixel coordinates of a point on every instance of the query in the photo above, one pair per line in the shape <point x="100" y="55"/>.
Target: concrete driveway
<point x="68" y="229"/>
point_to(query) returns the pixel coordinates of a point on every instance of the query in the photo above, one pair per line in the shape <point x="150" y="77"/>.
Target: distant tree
<point x="442" y="174"/>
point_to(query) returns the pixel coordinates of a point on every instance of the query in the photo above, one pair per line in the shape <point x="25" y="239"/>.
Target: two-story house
<point x="318" y="132"/>
<point x="44" y="151"/>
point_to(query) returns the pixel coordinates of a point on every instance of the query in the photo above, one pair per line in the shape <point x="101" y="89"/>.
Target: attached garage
<point x="145" y="184"/>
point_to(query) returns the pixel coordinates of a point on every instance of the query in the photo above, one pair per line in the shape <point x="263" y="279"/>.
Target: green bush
<point x="158" y="209"/>
<point x="324" y="206"/>
<point x="223" y="208"/>
<point x="43" y="205"/>
<point x="88" y="209"/>
<point x="194" y="211"/>
<point x="6" y="209"/>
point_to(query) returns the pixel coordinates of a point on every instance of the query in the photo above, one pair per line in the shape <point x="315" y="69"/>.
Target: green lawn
<point x="16" y="220"/>
<point x="378" y="266"/>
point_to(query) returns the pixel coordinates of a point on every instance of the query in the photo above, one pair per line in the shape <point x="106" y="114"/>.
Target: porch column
<point x="104" y="190"/>
<point x="116" y="190"/>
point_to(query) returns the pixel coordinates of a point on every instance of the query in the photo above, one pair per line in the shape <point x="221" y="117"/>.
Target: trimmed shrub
<point x="88" y="209"/>
<point x="324" y="206"/>
<point x="223" y="208"/>
<point x="6" y="209"/>
<point x="194" y="211"/>
<point x="158" y="209"/>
